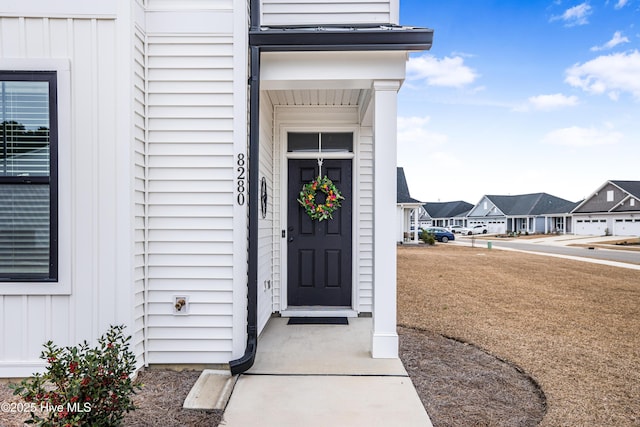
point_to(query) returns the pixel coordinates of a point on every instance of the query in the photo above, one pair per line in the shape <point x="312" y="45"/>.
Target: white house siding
<point x="94" y="206"/>
<point x="140" y="189"/>
<point x="266" y="234"/>
<point x="365" y="220"/>
<point x="190" y="197"/>
<point x="301" y="12"/>
<point x="328" y="118"/>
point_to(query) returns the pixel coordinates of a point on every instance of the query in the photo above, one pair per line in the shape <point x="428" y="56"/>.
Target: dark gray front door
<point x="319" y="252"/>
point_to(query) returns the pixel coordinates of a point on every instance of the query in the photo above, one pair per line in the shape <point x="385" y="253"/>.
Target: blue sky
<point x="520" y="97"/>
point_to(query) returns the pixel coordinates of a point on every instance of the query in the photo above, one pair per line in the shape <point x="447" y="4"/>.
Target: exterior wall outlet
<point x="180" y="304"/>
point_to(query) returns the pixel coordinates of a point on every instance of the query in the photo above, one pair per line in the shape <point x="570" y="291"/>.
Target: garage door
<point x="626" y="227"/>
<point x="594" y="227"/>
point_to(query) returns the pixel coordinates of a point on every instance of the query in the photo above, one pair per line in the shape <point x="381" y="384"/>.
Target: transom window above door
<point x="320" y="142"/>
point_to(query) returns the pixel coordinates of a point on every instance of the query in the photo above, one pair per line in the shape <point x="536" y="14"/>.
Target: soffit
<point x="316" y="97"/>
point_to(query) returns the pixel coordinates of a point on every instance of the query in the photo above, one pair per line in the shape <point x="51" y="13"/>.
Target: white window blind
<point x="27" y="214"/>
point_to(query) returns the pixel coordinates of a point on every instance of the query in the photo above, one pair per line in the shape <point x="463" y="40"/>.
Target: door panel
<point x="319" y="268"/>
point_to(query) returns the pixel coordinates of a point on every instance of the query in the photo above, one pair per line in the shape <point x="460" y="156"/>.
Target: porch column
<point x="384" y="335"/>
<point x="416" y="223"/>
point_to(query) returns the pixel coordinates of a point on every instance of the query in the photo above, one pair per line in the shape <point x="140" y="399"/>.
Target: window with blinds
<point x="28" y="176"/>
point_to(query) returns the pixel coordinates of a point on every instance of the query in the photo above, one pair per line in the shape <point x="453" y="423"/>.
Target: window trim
<point x="62" y="284"/>
<point x="52" y="178"/>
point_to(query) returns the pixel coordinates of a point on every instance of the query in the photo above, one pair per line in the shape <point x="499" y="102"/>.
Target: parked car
<point x="441" y="234"/>
<point x="455" y="228"/>
<point x="474" y="229"/>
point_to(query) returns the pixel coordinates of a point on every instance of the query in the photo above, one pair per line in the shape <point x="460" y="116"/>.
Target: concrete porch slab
<point x="320" y="350"/>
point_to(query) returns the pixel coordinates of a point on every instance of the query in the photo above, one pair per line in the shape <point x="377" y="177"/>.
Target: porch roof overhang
<point x="341" y="38"/>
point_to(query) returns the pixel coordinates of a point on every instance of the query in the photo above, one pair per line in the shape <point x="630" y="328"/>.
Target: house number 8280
<point x="241" y="178"/>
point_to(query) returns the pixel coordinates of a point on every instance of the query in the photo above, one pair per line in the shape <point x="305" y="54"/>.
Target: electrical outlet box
<point x="180" y="304"/>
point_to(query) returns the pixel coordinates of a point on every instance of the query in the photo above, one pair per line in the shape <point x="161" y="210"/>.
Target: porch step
<point x="212" y="390"/>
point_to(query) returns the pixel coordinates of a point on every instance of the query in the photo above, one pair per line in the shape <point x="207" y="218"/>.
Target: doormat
<point x="318" y="321"/>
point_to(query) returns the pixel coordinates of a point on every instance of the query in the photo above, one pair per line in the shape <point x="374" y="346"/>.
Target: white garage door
<point x="591" y="226"/>
<point x="626" y="227"/>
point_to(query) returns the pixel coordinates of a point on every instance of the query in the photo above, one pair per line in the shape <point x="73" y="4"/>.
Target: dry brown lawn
<point x="572" y="326"/>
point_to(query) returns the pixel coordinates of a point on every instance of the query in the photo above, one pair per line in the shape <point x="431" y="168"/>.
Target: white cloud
<point x="552" y="102"/>
<point x="617" y="39"/>
<point x="414" y="132"/>
<point x="576" y="136"/>
<point x="621" y="3"/>
<point x="576" y="15"/>
<point x="608" y="74"/>
<point x="448" y="71"/>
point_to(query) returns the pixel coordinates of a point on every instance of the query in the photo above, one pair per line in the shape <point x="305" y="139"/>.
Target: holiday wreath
<point x="315" y="210"/>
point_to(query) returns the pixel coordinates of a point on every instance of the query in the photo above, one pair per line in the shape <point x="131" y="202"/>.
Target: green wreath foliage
<point x="320" y="211"/>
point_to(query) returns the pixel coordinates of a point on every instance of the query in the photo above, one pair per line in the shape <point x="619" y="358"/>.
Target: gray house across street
<point x="525" y="213"/>
<point x="446" y="214"/>
<point x="613" y="209"/>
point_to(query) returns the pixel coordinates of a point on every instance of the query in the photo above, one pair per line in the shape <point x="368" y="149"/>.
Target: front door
<point x="319" y="252"/>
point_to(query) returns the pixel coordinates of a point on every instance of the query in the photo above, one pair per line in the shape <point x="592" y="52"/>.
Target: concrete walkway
<point x="323" y="375"/>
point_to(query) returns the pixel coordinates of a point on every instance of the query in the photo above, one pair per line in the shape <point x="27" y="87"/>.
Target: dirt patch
<point x="572" y="326"/>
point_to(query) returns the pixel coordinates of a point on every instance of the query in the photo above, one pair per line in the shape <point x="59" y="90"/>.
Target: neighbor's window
<point x="609" y="195"/>
<point x="28" y="176"/>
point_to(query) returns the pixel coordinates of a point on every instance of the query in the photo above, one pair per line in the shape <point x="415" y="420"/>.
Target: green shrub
<point x="427" y="238"/>
<point x="82" y="386"/>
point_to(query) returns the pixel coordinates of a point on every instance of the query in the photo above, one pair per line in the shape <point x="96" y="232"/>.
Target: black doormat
<point x="318" y="321"/>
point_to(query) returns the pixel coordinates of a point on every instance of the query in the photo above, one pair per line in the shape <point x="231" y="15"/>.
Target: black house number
<point x="241" y="178"/>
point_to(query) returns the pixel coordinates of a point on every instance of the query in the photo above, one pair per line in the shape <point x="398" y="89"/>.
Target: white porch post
<point x="416" y="223"/>
<point x="384" y="335"/>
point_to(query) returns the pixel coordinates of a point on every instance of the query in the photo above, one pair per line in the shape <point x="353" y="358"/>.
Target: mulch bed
<point x="461" y="385"/>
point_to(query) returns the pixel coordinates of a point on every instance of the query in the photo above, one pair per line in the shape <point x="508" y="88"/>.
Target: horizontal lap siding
<point x="299" y="12"/>
<point x="190" y="196"/>
<point x="365" y="220"/>
<point x="140" y="187"/>
<point x="266" y="236"/>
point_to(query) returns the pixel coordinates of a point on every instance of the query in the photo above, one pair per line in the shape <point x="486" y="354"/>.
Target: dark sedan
<point x="441" y="234"/>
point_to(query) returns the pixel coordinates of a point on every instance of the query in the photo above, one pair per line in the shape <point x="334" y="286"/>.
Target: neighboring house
<point x="613" y="209"/>
<point x="408" y="211"/>
<point x="525" y="213"/>
<point x="179" y="134"/>
<point x="446" y="214"/>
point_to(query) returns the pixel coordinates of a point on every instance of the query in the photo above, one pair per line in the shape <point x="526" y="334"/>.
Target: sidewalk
<point x="323" y="375"/>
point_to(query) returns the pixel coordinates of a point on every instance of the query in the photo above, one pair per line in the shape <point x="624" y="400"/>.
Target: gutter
<point x="245" y="362"/>
<point x="329" y="38"/>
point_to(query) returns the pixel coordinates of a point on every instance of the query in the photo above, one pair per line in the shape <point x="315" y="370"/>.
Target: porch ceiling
<point x="321" y="97"/>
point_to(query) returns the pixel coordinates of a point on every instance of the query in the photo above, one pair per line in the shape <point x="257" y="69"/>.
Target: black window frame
<point x="51" y="77"/>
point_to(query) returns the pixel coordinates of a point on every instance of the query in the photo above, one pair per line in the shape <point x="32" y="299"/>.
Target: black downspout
<point x="245" y="362"/>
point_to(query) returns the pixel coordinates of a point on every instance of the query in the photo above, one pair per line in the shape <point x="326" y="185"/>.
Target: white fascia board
<point x="61" y="8"/>
<point x="329" y="70"/>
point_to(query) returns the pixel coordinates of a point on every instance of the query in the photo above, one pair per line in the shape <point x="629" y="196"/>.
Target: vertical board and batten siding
<point x="266" y="236"/>
<point x="329" y="118"/>
<point x="309" y="12"/>
<point x="100" y="293"/>
<point x="190" y="197"/>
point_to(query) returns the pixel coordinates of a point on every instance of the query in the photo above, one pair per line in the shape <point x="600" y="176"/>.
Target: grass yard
<point x="572" y="326"/>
